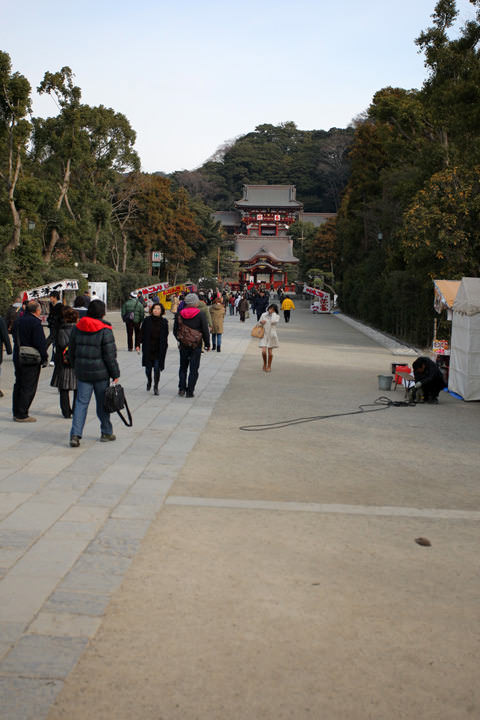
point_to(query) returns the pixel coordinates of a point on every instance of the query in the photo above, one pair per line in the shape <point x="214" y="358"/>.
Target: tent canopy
<point x="445" y="294"/>
<point x="467" y="301"/>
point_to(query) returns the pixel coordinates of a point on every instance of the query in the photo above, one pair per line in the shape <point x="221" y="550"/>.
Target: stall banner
<point x="322" y="301"/>
<point x="440" y="347"/>
<point x="150" y="289"/>
<point x="45" y="290"/>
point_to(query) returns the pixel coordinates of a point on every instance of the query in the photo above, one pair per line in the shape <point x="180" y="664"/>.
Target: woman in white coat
<point x="269" y="320"/>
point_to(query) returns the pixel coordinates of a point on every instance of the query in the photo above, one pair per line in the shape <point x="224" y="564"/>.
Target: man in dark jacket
<point x="428" y="378"/>
<point x="261" y="304"/>
<point x="27" y="330"/>
<point x="93" y="355"/>
<point x="4" y="340"/>
<point x="193" y="318"/>
<point x="54" y="320"/>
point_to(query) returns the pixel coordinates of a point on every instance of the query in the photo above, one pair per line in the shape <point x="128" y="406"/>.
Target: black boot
<point x="156" y="379"/>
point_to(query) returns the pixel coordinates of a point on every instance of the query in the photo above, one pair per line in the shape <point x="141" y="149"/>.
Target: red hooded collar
<point x="189" y="312"/>
<point x="88" y="324"/>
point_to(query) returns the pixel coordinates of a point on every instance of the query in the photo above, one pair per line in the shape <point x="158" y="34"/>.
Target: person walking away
<point x="63" y="376"/>
<point x="4" y="340"/>
<point x="287" y="307"/>
<point x="79" y="306"/>
<point x="133" y="313"/>
<point x="13" y="312"/>
<point x="243" y="308"/>
<point x="154" y="334"/>
<point x="93" y="356"/>
<point x="217" y="313"/>
<point x="28" y="331"/>
<point x="269" y="320"/>
<point x="428" y="378"/>
<point x="231" y="304"/>
<point x="261" y="303"/>
<point x="54" y="321"/>
<point x="190" y="356"/>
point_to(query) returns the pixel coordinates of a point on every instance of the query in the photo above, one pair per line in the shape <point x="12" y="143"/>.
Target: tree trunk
<point x="64" y="186"/>
<point x="54" y="238"/>
<point x="95" y="243"/>
<point x="125" y="250"/>
<point x="12" y="182"/>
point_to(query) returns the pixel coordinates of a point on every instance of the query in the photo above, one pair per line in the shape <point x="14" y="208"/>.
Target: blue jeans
<point x="84" y="394"/>
<point x="189" y="360"/>
<point x="216" y="340"/>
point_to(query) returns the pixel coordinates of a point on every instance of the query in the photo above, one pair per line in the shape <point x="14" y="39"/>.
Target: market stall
<point x="464" y="377"/>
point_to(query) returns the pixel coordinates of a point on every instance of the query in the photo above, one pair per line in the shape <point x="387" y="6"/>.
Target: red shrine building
<point x="259" y="225"/>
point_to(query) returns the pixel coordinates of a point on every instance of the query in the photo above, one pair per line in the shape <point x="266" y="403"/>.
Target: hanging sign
<point x="156" y="288"/>
<point x="45" y="290"/>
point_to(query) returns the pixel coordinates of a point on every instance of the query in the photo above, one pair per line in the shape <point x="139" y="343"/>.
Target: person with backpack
<point x="93" y="355"/>
<point x="190" y="328"/>
<point x="133" y="313"/>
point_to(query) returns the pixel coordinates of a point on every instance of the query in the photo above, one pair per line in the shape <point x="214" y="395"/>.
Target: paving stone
<point x="64" y="625"/>
<point x="9" y="501"/>
<point x="17" y="538"/>
<point x="22" y="482"/>
<point x="49" y="558"/>
<point x="34" y="515"/>
<point x="123" y="547"/>
<point x="21" y="597"/>
<point x="103" y="495"/>
<point x="72" y="530"/>
<point x="85" y="513"/>
<point x="11" y="631"/>
<point x="9" y="556"/>
<point x="77" y="603"/>
<point x="98" y="573"/>
<point x="138" y="511"/>
<point x="27" y="698"/>
<point x="42" y="656"/>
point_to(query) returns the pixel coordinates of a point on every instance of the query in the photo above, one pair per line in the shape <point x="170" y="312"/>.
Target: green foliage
<point x="315" y="161"/>
<point x="410" y="211"/>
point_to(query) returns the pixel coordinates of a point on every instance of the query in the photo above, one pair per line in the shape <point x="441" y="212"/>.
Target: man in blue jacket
<point x="27" y="330"/>
<point x="93" y="355"/>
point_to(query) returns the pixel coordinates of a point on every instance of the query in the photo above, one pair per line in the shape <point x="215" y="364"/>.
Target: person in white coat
<point x="269" y="320"/>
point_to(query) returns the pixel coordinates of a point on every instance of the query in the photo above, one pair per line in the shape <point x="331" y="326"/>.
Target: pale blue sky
<point x="190" y="75"/>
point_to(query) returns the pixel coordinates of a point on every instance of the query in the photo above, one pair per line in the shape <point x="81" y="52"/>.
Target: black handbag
<point x="115" y="401"/>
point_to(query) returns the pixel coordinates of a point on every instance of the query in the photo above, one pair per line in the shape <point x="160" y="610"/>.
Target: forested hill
<point x="316" y="161"/>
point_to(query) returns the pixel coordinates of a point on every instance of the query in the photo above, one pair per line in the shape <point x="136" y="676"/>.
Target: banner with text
<point x="322" y="301"/>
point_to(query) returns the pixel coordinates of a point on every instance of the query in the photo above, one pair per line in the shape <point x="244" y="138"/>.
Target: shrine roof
<point x="274" y="196"/>
<point x="250" y="246"/>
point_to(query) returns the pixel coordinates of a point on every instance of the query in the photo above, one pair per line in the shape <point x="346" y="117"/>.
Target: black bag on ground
<point x="115" y="401"/>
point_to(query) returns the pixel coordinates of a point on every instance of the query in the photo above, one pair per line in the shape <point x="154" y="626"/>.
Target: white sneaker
<point x="51" y="363"/>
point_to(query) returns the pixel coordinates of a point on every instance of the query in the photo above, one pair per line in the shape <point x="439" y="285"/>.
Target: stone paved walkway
<point x="71" y="520"/>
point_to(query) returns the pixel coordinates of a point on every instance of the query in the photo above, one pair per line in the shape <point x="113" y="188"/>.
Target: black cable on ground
<point x="381" y="403"/>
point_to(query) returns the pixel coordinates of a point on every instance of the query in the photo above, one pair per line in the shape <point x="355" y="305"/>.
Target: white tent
<point x="464" y="375"/>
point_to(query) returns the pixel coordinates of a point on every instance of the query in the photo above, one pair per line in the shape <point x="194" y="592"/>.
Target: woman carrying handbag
<point x="269" y="320"/>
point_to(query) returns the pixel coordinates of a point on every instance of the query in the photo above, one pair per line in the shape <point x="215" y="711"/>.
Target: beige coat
<point x="217" y="313"/>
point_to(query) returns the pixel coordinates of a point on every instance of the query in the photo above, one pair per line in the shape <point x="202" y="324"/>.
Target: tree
<point x="14" y="134"/>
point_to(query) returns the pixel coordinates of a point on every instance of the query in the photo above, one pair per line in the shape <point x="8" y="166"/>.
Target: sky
<point x="191" y="75"/>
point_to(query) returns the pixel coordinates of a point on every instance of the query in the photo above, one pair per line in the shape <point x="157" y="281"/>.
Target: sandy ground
<point x="281" y="579"/>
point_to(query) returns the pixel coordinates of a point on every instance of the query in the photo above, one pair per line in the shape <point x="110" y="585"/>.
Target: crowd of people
<point x="83" y="352"/>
